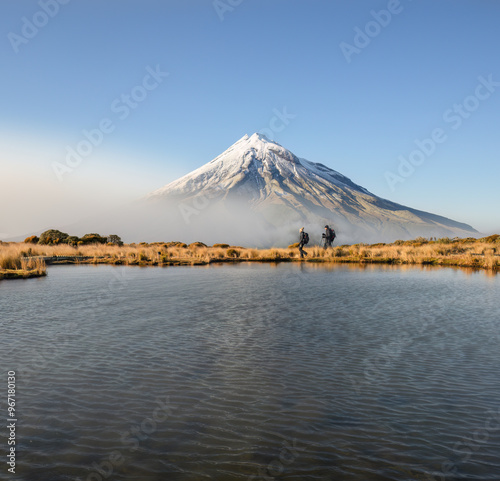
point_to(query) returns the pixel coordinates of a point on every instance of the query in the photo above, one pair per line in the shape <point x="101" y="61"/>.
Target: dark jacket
<point x="329" y="234"/>
<point x="302" y="239"/>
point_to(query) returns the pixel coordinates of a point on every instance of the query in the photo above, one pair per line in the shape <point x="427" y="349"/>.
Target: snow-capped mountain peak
<point x="255" y="161"/>
<point x="266" y="178"/>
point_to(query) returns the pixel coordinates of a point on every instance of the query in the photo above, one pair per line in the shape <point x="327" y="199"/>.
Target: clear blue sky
<point x="232" y="64"/>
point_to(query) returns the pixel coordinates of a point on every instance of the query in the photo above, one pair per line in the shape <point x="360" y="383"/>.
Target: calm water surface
<point x="247" y="372"/>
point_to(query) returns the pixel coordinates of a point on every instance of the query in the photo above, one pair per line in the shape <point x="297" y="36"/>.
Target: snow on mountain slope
<point x="255" y="160"/>
<point x="258" y="181"/>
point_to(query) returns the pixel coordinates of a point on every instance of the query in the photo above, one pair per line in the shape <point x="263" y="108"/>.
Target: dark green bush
<point x="115" y="239"/>
<point x="53" y="237"/>
<point x="93" y="238"/>
<point x="72" y="240"/>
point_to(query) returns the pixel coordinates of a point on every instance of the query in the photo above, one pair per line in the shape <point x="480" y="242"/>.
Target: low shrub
<point x="176" y="244"/>
<point x="115" y="239"/>
<point x="421" y="240"/>
<point x="52" y="236"/>
<point x="491" y="238"/>
<point x="72" y="240"/>
<point x="197" y="244"/>
<point x="444" y="240"/>
<point x="94" y="238"/>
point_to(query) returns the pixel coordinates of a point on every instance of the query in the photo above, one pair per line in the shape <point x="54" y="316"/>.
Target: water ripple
<point x="228" y="373"/>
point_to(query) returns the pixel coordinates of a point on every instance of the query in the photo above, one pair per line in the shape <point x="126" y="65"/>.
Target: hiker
<point x="328" y="237"/>
<point x="304" y="239"/>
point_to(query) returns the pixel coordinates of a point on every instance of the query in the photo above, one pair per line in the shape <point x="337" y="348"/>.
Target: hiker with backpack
<point x="303" y="240"/>
<point x="328" y="237"/>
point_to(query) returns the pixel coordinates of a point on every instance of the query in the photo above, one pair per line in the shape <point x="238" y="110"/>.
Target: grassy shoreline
<point x="14" y="266"/>
<point x="20" y="274"/>
<point x="21" y="260"/>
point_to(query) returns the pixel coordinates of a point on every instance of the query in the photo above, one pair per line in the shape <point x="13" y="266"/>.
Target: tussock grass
<point x="15" y="265"/>
<point x="476" y="253"/>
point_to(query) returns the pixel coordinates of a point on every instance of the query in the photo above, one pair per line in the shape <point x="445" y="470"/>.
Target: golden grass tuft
<point x="476" y="253"/>
<point x="14" y="264"/>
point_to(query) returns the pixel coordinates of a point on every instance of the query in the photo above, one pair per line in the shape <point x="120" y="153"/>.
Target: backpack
<point x="331" y="234"/>
<point x="306" y="238"/>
